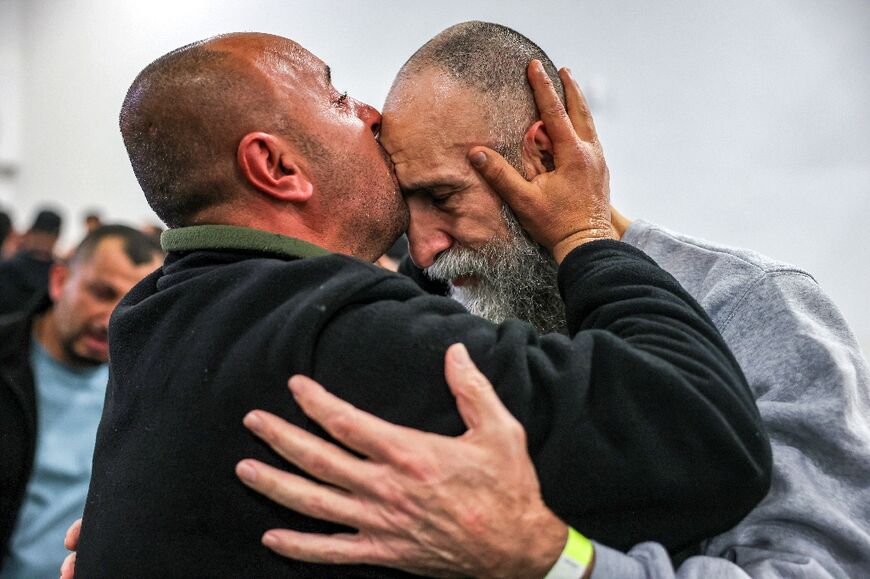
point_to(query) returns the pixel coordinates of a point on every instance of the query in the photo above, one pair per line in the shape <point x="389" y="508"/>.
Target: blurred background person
<point x="7" y="233"/>
<point x="24" y="276"/>
<point x="92" y="221"/>
<point x="152" y="230"/>
<point x="53" y="376"/>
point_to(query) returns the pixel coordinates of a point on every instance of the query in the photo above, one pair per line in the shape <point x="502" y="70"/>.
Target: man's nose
<point x="370" y="116"/>
<point x="426" y="241"/>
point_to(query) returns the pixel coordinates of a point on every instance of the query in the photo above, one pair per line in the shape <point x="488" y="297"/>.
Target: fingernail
<point x="478" y="159"/>
<point x="246" y="472"/>
<point x="460" y="355"/>
<point x="570" y="72"/>
<point x="539" y="66"/>
<point x="270" y="540"/>
<point x="296" y="385"/>
<point x="253" y="421"/>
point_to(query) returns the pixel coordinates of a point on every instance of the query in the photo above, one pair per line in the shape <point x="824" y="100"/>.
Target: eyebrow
<point x="328" y="72"/>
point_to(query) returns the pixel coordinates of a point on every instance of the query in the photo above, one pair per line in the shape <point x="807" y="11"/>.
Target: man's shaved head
<point x="468" y="86"/>
<point x="186" y="112"/>
<point x="491" y="61"/>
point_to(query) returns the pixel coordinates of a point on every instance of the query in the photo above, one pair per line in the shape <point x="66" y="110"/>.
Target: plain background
<point x="744" y="122"/>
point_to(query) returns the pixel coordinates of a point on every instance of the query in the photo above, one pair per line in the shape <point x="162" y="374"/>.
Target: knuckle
<point x="409" y="463"/>
<point x="514" y="431"/>
<point x="520" y="436"/>
<point x="391" y="495"/>
<point x="476" y="381"/>
<point x="496" y="174"/>
<point x="316" y="505"/>
<point x="341" y="425"/>
<point x="370" y="552"/>
<point x="556" y="110"/>
<point x="318" y="464"/>
<point x="382" y="489"/>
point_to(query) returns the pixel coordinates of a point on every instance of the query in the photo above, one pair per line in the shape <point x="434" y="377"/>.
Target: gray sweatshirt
<point x="812" y="385"/>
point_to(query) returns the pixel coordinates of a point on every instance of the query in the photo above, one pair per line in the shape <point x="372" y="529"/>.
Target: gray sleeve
<point x="651" y="561"/>
<point x="811" y="381"/>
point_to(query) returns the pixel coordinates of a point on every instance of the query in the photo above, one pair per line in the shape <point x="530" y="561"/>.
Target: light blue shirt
<point x="69" y="403"/>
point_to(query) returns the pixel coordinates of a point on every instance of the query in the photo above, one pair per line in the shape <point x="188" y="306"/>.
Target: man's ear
<point x="273" y="167"/>
<point x="537" y="150"/>
<point x="58" y="275"/>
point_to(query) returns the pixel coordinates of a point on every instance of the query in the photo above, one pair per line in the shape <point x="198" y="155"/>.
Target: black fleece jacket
<point x="640" y="423"/>
<point x="17" y="415"/>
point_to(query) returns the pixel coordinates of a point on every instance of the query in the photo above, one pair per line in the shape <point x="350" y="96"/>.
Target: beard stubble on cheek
<point x="79" y="354"/>
<point x="367" y="200"/>
<point x="387" y="215"/>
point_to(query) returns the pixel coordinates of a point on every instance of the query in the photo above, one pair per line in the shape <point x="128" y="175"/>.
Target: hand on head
<point x="570" y="205"/>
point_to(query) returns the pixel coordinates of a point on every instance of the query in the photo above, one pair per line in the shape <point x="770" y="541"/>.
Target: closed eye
<point x="341" y="100"/>
<point x="440" y="200"/>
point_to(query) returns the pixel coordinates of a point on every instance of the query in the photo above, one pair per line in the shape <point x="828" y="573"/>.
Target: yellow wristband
<point x="575" y="558"/>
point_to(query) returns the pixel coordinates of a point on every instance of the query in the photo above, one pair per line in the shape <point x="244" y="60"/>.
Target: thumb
<point x="68" y="567"/>
<point x="71" y="540"/>
<point x="502" y="177"/>
<point x="479" y="405"/>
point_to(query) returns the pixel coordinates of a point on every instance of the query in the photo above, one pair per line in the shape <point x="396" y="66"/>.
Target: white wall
<point x="744" y="121"/>
<point x="10" y="100"/>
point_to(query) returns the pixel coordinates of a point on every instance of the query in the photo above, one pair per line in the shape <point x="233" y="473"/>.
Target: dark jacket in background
<point x="640" y="423"/>
<point x="17" y="418"/>
<point x="23" y="280"/>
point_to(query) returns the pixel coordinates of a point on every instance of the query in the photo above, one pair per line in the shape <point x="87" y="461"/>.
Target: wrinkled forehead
<point x="430" y="118"/>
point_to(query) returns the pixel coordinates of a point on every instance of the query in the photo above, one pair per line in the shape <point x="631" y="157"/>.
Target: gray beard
<point x="516" y="278"/>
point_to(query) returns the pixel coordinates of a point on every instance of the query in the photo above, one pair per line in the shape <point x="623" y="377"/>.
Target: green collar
<point x="199" y="237"/>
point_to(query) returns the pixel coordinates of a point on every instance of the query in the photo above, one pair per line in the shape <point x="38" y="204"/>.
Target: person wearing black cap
<point x="24" y="277"/>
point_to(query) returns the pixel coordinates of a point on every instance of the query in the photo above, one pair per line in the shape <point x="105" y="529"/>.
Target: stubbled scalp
<point x="185" y="113"/>
<point x="491" y="60"/>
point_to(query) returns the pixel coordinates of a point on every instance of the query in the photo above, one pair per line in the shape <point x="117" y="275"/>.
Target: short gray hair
<point x="491" y="60"/>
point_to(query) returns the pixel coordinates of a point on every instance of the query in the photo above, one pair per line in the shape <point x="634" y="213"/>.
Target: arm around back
<point x="639" y="423"/>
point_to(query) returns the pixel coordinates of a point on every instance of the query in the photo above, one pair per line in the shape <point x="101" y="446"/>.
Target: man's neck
<point x="619" y="222"/>
<point x="45" y="332"/>
<point x="266" y="217"/>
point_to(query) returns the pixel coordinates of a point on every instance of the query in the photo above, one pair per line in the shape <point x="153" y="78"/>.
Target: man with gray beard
<point x="466" y="88"/>
<point x="513" y="278"/>
<point x="461" y="233"/>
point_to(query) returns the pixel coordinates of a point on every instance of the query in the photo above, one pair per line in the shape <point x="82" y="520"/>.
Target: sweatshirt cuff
<point x="652" y="562"/>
